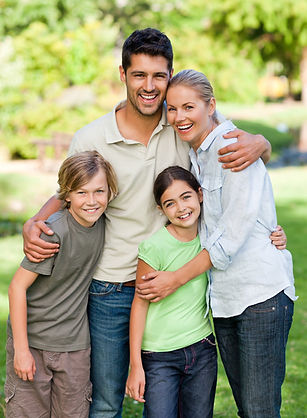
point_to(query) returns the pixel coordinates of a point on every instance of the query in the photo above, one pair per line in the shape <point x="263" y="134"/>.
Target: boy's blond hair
<point x="78" y="169"/>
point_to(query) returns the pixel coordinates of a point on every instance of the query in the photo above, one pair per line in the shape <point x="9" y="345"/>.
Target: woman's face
<point x="189" y="115"/>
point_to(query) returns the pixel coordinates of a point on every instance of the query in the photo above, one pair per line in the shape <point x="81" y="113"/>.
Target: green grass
<point x="291" y="199"/>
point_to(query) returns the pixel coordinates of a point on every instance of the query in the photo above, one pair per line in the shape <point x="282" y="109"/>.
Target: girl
<point x="172" y="340"/>
<point x="48" y="345"/>
<point x="251" y="282"/>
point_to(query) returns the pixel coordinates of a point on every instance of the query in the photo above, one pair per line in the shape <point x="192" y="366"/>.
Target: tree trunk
<point x="304" y="75"/>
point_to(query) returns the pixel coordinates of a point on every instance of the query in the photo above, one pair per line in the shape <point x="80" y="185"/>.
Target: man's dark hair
<point x="147" y="41"/>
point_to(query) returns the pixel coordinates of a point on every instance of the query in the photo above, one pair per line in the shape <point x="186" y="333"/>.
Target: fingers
<point x="136" y="393"/>
<point x="233" y="134"/>
<point x="149" y="276"/>
<point x="26" y="375"/>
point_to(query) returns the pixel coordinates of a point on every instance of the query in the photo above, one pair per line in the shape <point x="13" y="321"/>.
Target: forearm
<point x="193" y="268"/>
<point x="137" y="325"/>
<point x="50" y="207"/>
<point x="266" y="155"/>
<point x="18" y="317"/>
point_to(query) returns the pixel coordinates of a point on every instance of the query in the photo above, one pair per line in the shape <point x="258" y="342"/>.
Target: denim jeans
<point x="253" y="350"/>
<point x="181" y="383"/>
<point x="109" y="312"/>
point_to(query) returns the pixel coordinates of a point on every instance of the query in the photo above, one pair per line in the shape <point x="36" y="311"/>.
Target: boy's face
<point x="89" y="201"/>
<point x="146" y="81"/>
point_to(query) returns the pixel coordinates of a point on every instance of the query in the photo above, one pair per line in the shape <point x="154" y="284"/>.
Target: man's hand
<point x="157" y="285"/>
<point x="279" y="238"/>
<point x="135" y="386"/>
<point x="245" y="151"/>
<point x="24" y="365"/>
<point x="35" y="248"/>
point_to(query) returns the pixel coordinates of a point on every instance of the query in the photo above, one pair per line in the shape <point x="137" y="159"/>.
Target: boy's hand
<point x="35" y="248"/>
<point x="24" y="365"/>
<point x="245" y="151"/>
<point x="157" y="285"/>
<point x="279" y="238"/>
<point x="135" y="386"/>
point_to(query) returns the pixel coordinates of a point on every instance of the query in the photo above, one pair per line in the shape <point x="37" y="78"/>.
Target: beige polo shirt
<point x="132" y="216"/>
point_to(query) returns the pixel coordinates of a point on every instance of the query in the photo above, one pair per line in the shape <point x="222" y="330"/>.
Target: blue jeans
<point x="109" y="312"/>
<point x="253" y="350"/>
<point x="181" y="383"/>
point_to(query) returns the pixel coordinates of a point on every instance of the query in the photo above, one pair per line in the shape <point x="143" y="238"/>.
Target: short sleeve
<point x="44" y="267"/>
<point x="149" y="253"/>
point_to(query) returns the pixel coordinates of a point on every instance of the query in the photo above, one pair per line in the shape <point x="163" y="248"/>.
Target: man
<point x="137" y="140"/>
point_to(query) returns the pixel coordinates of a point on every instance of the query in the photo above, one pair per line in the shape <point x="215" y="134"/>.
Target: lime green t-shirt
<point x="180" y="319"/>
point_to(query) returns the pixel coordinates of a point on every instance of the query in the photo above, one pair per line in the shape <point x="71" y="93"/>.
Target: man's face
<point x="146" y="81"/>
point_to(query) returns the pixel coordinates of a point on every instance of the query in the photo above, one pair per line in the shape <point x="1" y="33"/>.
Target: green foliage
<point x="278" y="140"/>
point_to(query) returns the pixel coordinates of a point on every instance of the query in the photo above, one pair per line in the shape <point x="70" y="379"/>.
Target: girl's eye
<point x="169" y="204"/>
<point x="170" y="109"/>
<point x="189" y="107"/>
<point x="187" y="196"/>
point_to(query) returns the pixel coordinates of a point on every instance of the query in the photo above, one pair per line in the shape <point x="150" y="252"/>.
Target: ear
<point x="212" y="106"/>
<point x="160" y="209"/>
<point x="67" y="199"/>
<point x="171" y="73"/>
<point x="122" y="74"/>
<point x="200" y="195"/>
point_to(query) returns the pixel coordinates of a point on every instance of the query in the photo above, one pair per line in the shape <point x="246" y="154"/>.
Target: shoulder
<point x="58" y="223"/>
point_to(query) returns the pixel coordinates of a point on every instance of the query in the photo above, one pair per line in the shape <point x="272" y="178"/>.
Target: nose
<point x="149" y="84"/>
<point x="179" y="115"/>
<point x="91" y="199"/>
<point x="180" y="206"/>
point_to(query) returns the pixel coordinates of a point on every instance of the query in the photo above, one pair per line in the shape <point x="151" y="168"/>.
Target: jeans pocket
<point x="99" y="288"/>
<point x="269" y="305"/>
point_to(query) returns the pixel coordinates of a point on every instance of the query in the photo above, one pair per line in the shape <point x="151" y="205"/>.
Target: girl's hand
<point x="279" y="238"/>
<point x="135" y="386"/>
<point x="157" y="285"/>
<point x="24" y="365"/>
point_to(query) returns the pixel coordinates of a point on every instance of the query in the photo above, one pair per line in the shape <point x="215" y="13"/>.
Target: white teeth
<point x="148" y="97"/>
<point x="182" y="127"/>
<point x="186" y="215"/>
<point x="90" y="210"/>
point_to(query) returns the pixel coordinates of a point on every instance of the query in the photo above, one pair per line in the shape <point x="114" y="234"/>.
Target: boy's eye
<point x="80" y="192"/>
<point x="100" y="191"/>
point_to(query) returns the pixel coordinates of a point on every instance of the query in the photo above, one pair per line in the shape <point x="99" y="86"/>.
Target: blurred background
<point x="59" y="70"/>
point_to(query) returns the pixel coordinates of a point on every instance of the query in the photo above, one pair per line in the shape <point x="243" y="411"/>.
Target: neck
<point x="183" y="234"/>
<point x="134" y="125"/>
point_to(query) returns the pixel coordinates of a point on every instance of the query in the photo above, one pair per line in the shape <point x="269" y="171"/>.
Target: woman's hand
<point x="24" y="365"/>
<point x="135" y="386"/>
<point x="279" y="238"/>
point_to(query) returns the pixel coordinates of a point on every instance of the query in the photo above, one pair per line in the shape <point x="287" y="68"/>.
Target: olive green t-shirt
<point x="181" y="318"/>
<point x="57" y="300"/>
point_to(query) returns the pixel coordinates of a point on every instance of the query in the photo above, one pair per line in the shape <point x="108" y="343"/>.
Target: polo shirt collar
<point x="114" y="134"/>
<point x="222" y="128"/>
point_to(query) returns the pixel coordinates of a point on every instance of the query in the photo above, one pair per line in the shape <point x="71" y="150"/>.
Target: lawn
<point x="291" y="199"/>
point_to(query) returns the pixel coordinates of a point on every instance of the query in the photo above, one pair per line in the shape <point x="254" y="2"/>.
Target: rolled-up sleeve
<point x="240" y="203"/>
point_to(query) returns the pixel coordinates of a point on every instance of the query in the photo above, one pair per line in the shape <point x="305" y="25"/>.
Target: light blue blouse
<point x="238" y="216"/>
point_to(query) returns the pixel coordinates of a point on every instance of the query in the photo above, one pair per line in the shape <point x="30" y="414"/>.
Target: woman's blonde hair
<point x="198" y="82"/>
<point x="78" y="170"/>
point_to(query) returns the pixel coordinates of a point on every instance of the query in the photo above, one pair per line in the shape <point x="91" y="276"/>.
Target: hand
<point x="135" y="386"/>
<point x="157" y="285"/>
<point x="24" y="365"/>
<point x="245" y="151"/>
<point x="279" y="238"/>
<point x="35" y="248"/>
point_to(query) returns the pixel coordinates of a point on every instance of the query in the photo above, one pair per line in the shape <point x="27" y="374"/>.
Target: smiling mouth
<point x="91" y="210"/>
<point x="185" y="216"/>
<point x="183" y="128"/>
<point x="148" y="97"/>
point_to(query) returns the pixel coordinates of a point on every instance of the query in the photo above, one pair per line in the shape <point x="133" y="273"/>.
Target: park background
<point x="59" y="62"/>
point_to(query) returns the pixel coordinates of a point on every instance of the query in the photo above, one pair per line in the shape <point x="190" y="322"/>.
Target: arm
<point x="35" y="248"/>
<point x="245" y="151"/>
<point x="135" y="385"/>
<point x="159" y="284"/>
<point x="24" y="363"/>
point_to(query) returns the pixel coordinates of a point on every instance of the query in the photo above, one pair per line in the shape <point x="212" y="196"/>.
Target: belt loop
<point x="119" y="287"/>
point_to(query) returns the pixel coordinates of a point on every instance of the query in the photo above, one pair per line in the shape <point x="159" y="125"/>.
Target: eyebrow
<point x="144" y="72"/>
<point x="182" y="194"/>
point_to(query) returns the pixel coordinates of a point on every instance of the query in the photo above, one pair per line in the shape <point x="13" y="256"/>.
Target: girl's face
<point x="181" y="204"/>
<point x="89" y="201"/>
<point x="189" y="115"/>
